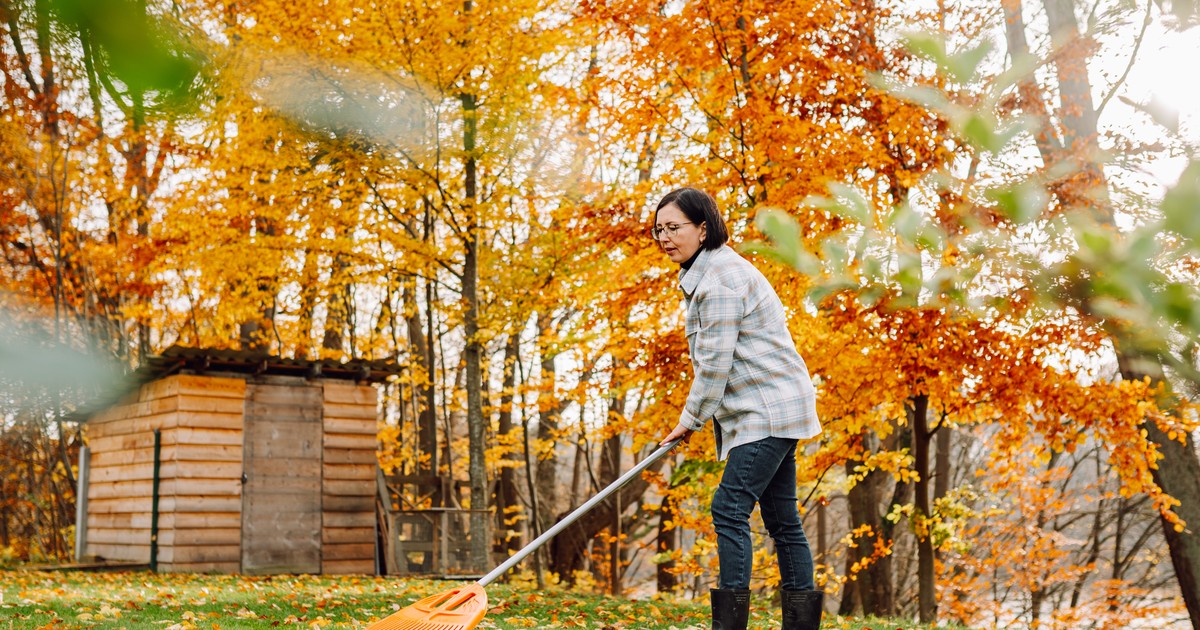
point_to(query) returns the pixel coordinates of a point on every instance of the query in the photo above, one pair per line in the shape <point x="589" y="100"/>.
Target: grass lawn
<point x="53" y="600"/>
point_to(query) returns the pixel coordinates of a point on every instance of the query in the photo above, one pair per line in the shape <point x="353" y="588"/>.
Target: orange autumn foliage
<point x="316" y="204"/>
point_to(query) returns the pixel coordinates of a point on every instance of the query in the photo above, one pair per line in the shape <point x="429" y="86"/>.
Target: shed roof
<point x="185" y="360"/>
<point x="181" y="359"/>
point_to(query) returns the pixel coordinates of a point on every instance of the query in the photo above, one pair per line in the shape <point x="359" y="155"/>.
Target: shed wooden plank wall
<point x="348" y="478"/>
<point x="201" y="505"/>
<point x="200" y="419"/>
<point x="122" y="473"/>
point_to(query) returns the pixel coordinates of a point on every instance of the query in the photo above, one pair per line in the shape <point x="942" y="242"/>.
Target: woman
<point x="752" y="383"/>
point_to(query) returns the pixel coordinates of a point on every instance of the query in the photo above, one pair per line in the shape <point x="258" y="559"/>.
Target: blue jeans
<point x="762" y="472"/>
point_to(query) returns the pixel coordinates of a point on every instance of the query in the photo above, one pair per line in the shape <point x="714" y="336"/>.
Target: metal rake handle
<point x="579" y="511"/>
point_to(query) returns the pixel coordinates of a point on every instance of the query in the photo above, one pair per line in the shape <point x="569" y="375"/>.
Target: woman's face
<point x="687" y="236"/>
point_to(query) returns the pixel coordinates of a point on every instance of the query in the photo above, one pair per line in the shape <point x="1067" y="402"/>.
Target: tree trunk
<point x="49" y="87"/>
<point x="428" y="433"/>
<point x="667" y="541"/>
<point x="822" y="527"/>
<point x="422" y="348"/>
<point x="1038" y="596"/>
<point x="138" y="176"/>
<point x="508" y="505"/>
<point x="918" y="409"/>
<point x="549" y="409"/>
<point x="473" y="353"/>
<point x="535" y="529"/>
<point x="874" y="583"/>
<point x="1086" y="188"/>
<point x="850" y="591"/>
<point x="308" y="306"/>
<point x="1031" y="101"/>
<point x="337" y="313"/>
<point x="1178" y="474"/>
<point x="610" y="469"/>
<point x="941" y="465"/>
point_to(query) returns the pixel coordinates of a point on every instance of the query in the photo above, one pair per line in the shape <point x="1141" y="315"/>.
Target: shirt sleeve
<point x="720" y="313"/>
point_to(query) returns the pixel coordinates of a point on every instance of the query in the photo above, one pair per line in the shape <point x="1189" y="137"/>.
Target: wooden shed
<point x="236" y="462"/>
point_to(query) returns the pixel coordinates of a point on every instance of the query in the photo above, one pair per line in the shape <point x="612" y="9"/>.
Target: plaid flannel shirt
<point x="748" y="375"/>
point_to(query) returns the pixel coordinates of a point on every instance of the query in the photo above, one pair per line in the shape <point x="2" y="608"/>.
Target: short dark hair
<point x="699" y="207"/>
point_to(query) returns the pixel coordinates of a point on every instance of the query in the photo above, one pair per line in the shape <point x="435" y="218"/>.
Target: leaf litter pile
<point x="60" y="600"/>
<point x="49" y="600"/>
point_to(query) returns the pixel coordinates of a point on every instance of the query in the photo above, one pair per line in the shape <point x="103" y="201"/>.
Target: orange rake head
<point x="455" y="609"/>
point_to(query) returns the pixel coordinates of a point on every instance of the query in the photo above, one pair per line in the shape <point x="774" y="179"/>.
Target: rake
<point x="463" y="608"/>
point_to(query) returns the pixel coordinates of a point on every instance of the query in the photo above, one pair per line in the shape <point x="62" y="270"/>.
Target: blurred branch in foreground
<point x="39" y="373"/>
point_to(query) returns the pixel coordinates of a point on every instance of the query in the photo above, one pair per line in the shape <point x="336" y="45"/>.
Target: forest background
<point x="995" y="295"/>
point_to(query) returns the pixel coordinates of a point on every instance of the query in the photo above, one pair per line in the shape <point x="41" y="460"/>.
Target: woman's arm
<point x="720" y="313"/>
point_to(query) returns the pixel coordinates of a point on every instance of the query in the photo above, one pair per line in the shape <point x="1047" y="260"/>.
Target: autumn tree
<point x="87" y="133"/>
<point x="1114" y="411"/>
<point x="1070" y="132"/>
<point x="763" y="104"/>
<point x="465" y="187"/>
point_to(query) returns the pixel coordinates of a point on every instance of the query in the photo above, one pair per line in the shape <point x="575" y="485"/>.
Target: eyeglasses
<point x="671" y="230"/>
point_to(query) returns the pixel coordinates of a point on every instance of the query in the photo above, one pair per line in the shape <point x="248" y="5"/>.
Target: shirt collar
<point x="689" y="279"/>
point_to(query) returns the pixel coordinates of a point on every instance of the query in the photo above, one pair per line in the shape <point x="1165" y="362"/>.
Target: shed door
<point x="281" y="499"/>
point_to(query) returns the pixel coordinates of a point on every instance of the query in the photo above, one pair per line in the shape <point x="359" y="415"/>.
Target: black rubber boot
<point x="730" y="608"/>
<point x="802" y="609"/>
